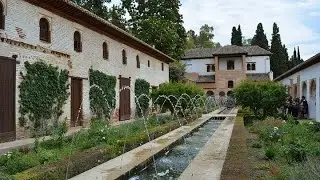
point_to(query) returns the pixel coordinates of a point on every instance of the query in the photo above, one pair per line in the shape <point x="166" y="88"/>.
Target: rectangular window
<point x="230" y="65"/>
<point x="251" y="66"/>
<point x="162" y="66"/>
<point x="210" y="68"/>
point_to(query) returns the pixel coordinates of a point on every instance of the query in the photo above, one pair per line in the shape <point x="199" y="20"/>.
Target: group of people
<point x="297" y="108"/>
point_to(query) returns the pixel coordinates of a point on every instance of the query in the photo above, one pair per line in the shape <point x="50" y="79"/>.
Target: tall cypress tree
<point x="234" y="36"/>
<point x="299" y="57"/>
<point x="260" y="38"/>
<point x="295" y="59"/>
<point x="239" y="36"/>
<point x="277" y="60"/>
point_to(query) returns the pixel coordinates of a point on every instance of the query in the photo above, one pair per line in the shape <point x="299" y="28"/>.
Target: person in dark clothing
<point x="295" y="107"/>
<point x="304" y="107"/>
<point x="289" y="105"/>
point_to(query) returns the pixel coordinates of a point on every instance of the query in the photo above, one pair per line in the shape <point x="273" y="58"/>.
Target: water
<point x="174" y="162"/>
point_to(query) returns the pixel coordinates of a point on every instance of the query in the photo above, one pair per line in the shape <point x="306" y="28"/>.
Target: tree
<point x="204" y="40"/>
<point x="239" y="36"/>
<point x="277" y="61"/>
<point x="260" y="38"/>
<point x="116" y="14"/>
<point x="271" y="95"/>
<point x="246" y="42"/>
<point x="177" y="70"/>
<point x="300" y="60"/>
<point x="158" y="23"/>
<point x="234" y="36"/>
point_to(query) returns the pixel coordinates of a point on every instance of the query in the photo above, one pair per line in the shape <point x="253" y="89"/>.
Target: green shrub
<point x="4" y="176"/>
<point x="21" y="163"/>
<point x="177" y="90"/>
<point x="270" y="152"/>
<point x="263" y="98"/>
<point x="141" y="87"/>
<point x="294" y="152"/>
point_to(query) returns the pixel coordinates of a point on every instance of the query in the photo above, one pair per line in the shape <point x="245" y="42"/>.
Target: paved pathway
<point x="208" y="164"/>
<point x="121" y="165"/>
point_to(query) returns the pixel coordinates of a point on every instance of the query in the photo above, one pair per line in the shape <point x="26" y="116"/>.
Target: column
<point x="300" y="89"/>
<point x="308" y="90"/>
<point x="318" y="99"/>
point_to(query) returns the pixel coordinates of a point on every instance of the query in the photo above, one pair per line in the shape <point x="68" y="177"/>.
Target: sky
<point x="298" y="20"/>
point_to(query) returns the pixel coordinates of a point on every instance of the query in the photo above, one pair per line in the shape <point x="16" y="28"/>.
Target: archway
<point x="221" y="94"/>
<point x="312" y="99"/>
<point x="210" y="93"/>
<point x="304" y="89"/>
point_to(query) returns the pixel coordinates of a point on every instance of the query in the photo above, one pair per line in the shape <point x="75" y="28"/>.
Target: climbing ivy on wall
<point x="43" y="92"/>
<point x="102" y="93"/>
<point x="141" y="87"/>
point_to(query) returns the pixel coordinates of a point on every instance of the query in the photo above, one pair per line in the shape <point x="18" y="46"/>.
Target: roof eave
<point x="94" y="22"/>
<point x="313" y="60"/>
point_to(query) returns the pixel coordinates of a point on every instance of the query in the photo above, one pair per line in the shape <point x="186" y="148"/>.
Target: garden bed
<point x="281" y="149"/>
<point x="60" y="160"/>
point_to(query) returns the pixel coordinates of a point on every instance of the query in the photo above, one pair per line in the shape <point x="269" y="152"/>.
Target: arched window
<point x="44" y="30"/>
<point x="210" y="93"/>
<point x="162" y="66"/>
<point x="77" y="41"/>
<point x="230" y="65"/>
<point x="304" y="89"/>
<point x="124" y="57"/>
<point x="230" y="84"/>
<point x="105" y="50"/>
<point x="221" y="93"/>
<point x="148" y="63"/>
<point x="138" y="61"/>
<point x="2" y="16"/>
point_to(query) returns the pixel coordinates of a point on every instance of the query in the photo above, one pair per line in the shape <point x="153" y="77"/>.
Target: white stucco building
<point x="218" y="70"/>
<point x="304" y="80"/>
<point x="63" y="34"/>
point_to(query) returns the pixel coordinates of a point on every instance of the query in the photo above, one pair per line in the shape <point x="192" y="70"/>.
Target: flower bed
<point x="86" y="150"/>
<point x="288" y="148"/>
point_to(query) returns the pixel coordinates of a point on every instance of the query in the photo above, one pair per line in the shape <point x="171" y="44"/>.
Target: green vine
<point x="102" y="93"/>
<point x="43" y="92"/>
<point x="141" y="87"/>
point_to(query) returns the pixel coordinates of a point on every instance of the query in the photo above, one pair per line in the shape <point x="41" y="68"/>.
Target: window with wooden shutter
<point x="77" y="41"/>
<point x="44" y="30"/>
<point x="138" y="61"/>
<point x="124" y="57"/>
<point x="105" y="50"/>
<point x="2" y="17"/>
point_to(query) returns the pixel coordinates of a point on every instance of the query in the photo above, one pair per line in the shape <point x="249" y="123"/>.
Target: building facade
<point x="63" y="34"/>
<point x="304" y="80"/>
<point x="219" y="70"/>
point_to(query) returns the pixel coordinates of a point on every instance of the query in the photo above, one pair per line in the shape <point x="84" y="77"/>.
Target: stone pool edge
<point x="121" y="165"/>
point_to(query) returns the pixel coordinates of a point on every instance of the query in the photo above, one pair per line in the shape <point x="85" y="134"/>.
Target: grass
<point x="234" y="166"/>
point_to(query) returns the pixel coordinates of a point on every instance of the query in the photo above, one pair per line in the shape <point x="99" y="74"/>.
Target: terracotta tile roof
<point x="202" y="53"/>
<point x="258" y="76"/>
<point x="229" y="50"/>
<point x="256" y="51"/>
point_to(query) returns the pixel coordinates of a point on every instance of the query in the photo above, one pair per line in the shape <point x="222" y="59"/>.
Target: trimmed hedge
<point x="83" y="161"/>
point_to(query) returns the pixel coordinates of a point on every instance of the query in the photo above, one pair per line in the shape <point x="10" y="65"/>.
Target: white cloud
<point x="223" y="14"/>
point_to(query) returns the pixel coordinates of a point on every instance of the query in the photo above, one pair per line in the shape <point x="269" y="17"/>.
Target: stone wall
<point x="21" y="37"/>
